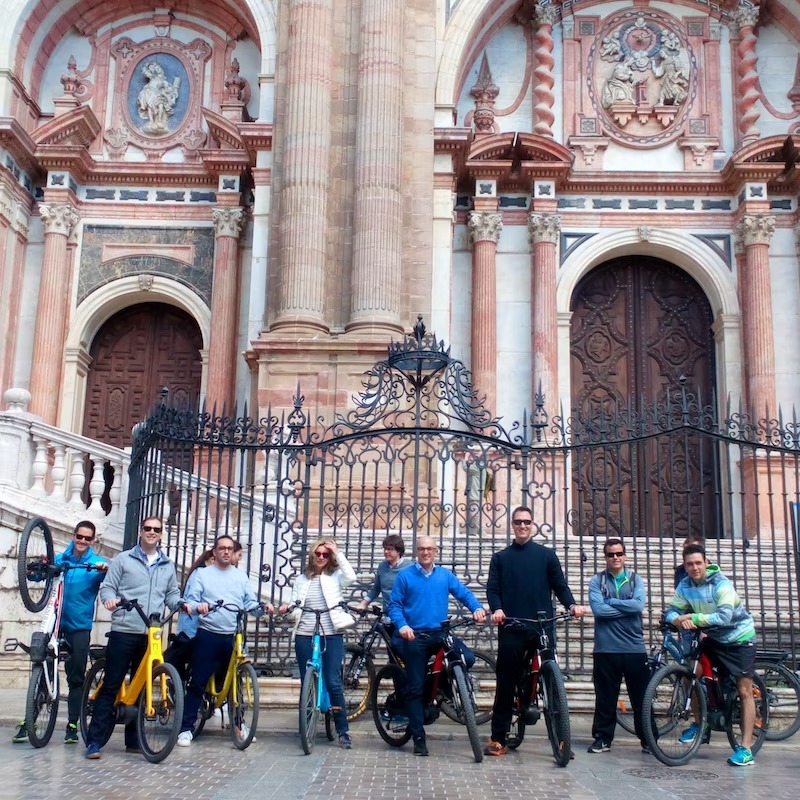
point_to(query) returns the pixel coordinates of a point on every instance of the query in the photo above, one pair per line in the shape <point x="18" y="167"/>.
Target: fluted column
<point x="51" y="313"/>
<point x="220" y="392"/>
<point x="377" y="219"/>
<point x="544" y="17"/>
<point x="747" y="85"/>
<point x="306" y="157"/>
<point x="756" y="293"/>
<point x="484" y="228"/>
<point x="543" y="233"/>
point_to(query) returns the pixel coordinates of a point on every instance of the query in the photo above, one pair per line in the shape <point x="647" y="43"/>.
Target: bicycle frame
<point x="315" y="663"/>
<point x="238" y="657"/>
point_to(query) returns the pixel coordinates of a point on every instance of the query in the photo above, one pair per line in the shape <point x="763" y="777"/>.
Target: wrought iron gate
<point x="420" y="454"/>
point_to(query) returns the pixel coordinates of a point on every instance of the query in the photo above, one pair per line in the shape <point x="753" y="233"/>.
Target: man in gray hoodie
<point x="145" y="574"/>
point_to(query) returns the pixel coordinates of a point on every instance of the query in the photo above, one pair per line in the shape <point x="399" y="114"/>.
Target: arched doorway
<point x="640" y="328"/>
<point x="134" y="354"/>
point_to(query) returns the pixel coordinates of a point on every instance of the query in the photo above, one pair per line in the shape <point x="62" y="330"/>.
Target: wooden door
<point x="639" y="327"/>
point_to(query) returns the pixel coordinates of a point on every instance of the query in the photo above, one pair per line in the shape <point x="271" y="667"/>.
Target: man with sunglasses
<point x="617" y="597"/>
<point x="522" y="579"/>
<point x="145" y="574"/>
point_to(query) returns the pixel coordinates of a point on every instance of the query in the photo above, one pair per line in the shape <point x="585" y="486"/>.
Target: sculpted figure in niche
<point x="157" y="99"/>
<point x="667" y="66"/>
<point x="619" y="87"/>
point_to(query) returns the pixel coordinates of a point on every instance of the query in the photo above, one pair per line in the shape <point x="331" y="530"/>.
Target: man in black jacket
<point x="521" y="580"/>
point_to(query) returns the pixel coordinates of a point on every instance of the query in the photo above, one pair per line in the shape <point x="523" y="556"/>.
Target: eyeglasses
<point x="322" y="554"/>
<point x="522" y="522"/>
<point x="225" y="549"/>
<point x="81" y="538"/>
<point x="425" y="549"/>
<point x="615" y="554"/>
<point x="151" y="529"/>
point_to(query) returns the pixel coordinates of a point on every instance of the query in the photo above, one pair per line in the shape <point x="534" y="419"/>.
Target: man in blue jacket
<point x="77" y="615"/>
<point x="418" y="604"/>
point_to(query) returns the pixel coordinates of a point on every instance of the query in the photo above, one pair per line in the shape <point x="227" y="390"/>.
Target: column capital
<point x="61" y="219"/>
<point x="484" y="226"/>
<point x="228" y="220"/>
<point x="746" y="16"/>
<point x="543" y="228"/>
<point x="756" y="229"/>
<point x="545" y="14"/>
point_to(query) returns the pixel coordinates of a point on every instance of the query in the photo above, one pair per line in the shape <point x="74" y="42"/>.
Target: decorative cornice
<point x="61" y="219"/>
<point x="79" y="127"/>
<point x="15" y="139"/>
<point x="756" y="229"/>
<point x="484" y="226"/>
<point x="228" y="220"/>
<point x="543" y="228"/>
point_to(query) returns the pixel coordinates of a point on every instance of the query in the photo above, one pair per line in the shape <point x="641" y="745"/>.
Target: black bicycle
<point x="783" y="693"/>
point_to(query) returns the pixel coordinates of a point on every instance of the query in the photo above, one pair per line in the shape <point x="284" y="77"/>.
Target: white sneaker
<point x="184" y="739"/>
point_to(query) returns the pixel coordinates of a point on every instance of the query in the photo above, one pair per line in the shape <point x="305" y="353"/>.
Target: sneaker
<point x="345" y="741"/>
<point x="495" y="749"/>
<point x="71" y="736"/>
<point x="92" y="751"/>
<point x="690" y="734"/>
<point x="741" y="757"/>
<point x="599" y="746"/>
<point x="420" y="747"/>
<point x="396" y="720"/>
<point x="21" y="736"/>
<point x="184" y="739"/>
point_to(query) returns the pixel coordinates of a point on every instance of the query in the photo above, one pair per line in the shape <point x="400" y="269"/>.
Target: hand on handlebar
<point x="112" y="604"/>
<point x="479" y="615"/>
<point x="578" y="611"/>
<point x="499" y="617"/>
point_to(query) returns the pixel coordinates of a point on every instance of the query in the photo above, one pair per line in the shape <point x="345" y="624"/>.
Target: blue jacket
<point x="617" y="607"/>
<point x="80" y="590"/>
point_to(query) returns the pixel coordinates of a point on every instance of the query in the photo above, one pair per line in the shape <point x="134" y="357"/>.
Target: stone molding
<point x="61" y="219"/>
<point x="228" y="220"/>
<point x="543" y="228"/>
<point x="756" y="229"/>
<point x="484" y="226"/>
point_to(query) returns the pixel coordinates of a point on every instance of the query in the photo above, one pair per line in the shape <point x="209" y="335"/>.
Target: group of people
<point x="523" y="578"/>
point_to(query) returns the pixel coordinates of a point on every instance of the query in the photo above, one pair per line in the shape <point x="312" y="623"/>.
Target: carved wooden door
<point x="639" y="327"/>
<point x="136" y="353"/>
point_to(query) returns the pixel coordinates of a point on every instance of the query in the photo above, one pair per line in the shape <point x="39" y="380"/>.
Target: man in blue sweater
<point x="419" y="604"/>
<point x="617" y="597"/>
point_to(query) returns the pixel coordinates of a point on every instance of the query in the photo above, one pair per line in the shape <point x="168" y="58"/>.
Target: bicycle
<point x="153" y="697"/>
<point x="48" y="647"/>
<point x="783" y="694"/>
<point x="358" y="673"/>
<point x="541" y="690"/>
<point x="676" y="697"/>
<point x="446" y="680"/>
<point x="239" y="688"/>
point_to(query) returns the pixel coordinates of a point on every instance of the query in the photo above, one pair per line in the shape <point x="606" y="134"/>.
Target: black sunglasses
<point x="152" y="528"/>
<point x="81" y="538"/>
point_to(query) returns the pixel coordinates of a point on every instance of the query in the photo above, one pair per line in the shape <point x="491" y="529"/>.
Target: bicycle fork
<point x="323" y="699"/>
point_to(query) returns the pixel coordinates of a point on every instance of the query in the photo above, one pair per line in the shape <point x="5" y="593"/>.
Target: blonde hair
<point x="311" y="564"/>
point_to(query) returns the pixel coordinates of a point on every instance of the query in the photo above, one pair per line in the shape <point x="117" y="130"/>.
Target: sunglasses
<point x="81" y="538"/>
<point x="615" y="554"/>
<point x="322" y="554"/>
<point x="151" y="528"/>
<point x="522" y="522"/>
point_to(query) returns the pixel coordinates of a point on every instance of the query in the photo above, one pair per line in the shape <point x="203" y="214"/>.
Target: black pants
<point x="212" y="652"/>
<point x="75" y="667"/>
<point x="607" y="674"/>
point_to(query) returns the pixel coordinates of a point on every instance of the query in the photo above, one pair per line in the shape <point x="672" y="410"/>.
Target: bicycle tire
<point x="207" y="706"/>
<point x="41" y="710"/>
<point x="516" y="731"/>
<point x="34" y="555"/>
<point x="243" y="714"/>
<point x="761" y="725"/>
<point x="309" y="713"/>
<point x="463" y="698"/>
<point x="358" y="675"/>
<point x="556" y="711"/>
<point x="783" y="694"/>
<point x="667" y="703"/>
<point x="387" y="709"/>
<point x="92" y="684"/>
<point x="159" y="732"/>
<point x="483" y="676"/>
<point x="330" y="728"/>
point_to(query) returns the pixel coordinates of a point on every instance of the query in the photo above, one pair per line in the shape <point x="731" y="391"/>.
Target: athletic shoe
<point x="495" y="749"/>
<point x="184" y="739"/>
<point x="741" y="757"/>
<point x="21" y="736"/>
<point x="71" y="736"/>
<point x="420" y="747"/>
<point x="345" y="741"/>
<point x="599" y="746"/>
<point x="690" y="734"/>
<point x="396" y="720"/>
<point x="92" y="751"/>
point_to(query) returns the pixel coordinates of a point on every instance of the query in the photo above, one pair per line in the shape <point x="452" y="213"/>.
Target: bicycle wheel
<point x="733" y="729"/>
<point x="41" y="710"/>
<point x="783" y="695"/>
<point x="667" y="714"/>
<point x="388" y="711"/>
<point x="158" y="731"/>
<point x="309" y="713"/>
<point x="243" y="712"/>
<point x="358" y="674"/>
<point x="330" y="728"/>
<point x="556" y="712"/>
<point x="34" y="557"/>
<point x="464" y="702"/>
<point x="92" y="684"/>
<point x="482" y="676"/>
<point x="207" y="706"/>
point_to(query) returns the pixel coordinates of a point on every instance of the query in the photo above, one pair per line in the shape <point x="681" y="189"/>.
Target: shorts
<point x="738" y="659"/>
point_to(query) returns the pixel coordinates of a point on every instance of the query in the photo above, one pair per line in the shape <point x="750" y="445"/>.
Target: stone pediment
<point x="16" y="140"/>
<point x="771" y="160"/>
<point x="78" y="128"/>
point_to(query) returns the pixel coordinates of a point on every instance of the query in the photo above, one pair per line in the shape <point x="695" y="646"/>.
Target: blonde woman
<point x="320" y="587"/>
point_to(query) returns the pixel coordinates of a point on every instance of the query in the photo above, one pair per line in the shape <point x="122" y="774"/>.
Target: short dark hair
<point x="395" y="540"/>
<point x="224" y="536"/>
<point x="610" y="542"/>
<point x="518" y="509"/>
<point x="85" y="523"/>
<point x="691" y="549"/>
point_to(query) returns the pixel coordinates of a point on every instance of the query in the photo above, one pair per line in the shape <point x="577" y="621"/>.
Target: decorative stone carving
<point x="645" y="233"/>
<point x="70" y="79"/>
<point x="485" y="93"/>
<point x="234" y="84"/>
<point x="544" y="16"/>
<point x="543" y="228"/>
<point x="484" y="226"/>
<point x="60" y="219"/>
<point x="228" y="220"/>
<point x="156" y="102"/>
<point x="746" y="17"/>
<point x="756" y="229"/>
<point x="145" y="282"/>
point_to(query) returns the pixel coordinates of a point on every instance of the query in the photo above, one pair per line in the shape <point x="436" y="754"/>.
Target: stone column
<point x="222" y="358"/>
<point x="747" y="96"/>
<point x="543" y="233"/>
<point x="756" y="293"/>
<point x="51" y="313"/>
<point x="544" y="17"/>
<point x="377" y="218"/>
<point x="484" y="228"/>
<point x="306" y="172"/>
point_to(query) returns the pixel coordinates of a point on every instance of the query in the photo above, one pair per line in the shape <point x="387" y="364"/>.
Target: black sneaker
<point x="420" y="748"/>
<point x="599" y="746"/>
<point x="71" y="736"/>
<point x="21" y="736"/>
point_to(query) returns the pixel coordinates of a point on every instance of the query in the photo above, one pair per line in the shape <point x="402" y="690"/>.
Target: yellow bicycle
<point x="153" y="697"/>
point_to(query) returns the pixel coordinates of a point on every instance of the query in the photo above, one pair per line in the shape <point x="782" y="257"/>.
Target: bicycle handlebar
<point x="520" y="622"/>
<point x="154" y="620"/>
<point x="257" y="611"/>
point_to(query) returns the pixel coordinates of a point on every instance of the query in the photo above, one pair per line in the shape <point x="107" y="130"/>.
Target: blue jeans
<point x="332" y="659"/>
<point x="211" y="654"/>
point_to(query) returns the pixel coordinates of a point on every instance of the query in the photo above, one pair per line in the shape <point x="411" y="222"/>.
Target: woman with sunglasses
<point x="320" y="587"/>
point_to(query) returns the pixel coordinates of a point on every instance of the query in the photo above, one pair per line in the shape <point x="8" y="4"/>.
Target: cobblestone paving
<point x="275" y="767"/>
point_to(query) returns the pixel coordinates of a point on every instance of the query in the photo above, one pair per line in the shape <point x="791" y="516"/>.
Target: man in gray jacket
<point x="145" y="574"/>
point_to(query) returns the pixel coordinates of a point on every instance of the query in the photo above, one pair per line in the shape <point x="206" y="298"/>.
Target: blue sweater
<point x="419" y="599"/>
<point x="384" y="580"/>
<point x="80" y="590"/>
<point x="617" y="606"/>
<point x="229" y="585"/>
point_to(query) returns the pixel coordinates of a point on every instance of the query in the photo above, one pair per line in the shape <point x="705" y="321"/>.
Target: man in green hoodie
<point x="706" y="600"/>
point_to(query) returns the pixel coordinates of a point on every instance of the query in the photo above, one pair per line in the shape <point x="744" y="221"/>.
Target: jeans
<point x="332" y="659"/>
<point x="212" y="652"/>
<point x="75" y="667"/>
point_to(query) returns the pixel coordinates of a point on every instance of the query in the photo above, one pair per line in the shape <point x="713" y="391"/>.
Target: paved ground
<point x="275" y="767"/>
